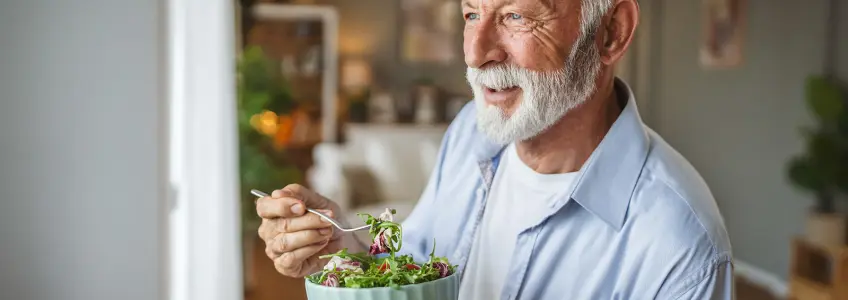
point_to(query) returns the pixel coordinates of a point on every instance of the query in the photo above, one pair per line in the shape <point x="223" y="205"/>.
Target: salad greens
<point x="367" y="270"/>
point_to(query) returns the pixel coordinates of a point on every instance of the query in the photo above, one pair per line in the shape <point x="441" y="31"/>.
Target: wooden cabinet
<point x="818" y="273"/>
<point x="271" y="285"/>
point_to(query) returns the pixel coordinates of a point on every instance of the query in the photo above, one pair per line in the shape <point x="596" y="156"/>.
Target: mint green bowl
<point x="441" y="289"/>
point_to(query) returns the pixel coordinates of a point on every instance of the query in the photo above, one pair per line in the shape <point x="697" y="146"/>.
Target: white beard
<point x="546" y="96"/>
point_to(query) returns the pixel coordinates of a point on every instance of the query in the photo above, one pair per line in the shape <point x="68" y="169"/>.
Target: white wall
<point x="80" y="140"/>
<point x="739" y="127"/>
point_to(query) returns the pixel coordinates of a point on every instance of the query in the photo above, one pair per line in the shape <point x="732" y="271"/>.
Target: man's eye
<point x="472" y="16"/>
<point x="513" y="16"/>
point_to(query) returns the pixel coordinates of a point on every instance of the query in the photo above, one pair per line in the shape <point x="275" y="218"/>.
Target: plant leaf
<point x="824" y="98"/>
<point x="804" y="175"/>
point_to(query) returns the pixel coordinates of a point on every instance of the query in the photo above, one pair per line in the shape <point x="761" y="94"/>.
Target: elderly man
<point x="548" y="185"/>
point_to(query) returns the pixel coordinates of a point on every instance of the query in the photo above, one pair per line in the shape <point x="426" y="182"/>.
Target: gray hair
<point x="592" y="13"/>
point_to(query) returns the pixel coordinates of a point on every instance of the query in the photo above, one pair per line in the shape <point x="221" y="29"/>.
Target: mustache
<point x="499" y="76"/>
<point x="502" y="76"/>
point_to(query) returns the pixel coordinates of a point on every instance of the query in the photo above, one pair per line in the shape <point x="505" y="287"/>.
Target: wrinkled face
<point x="528" y="64"/>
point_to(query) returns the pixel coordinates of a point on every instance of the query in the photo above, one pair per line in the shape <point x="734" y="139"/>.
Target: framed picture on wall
<point x="430" y="30"/>
<point x="722" y="40"/>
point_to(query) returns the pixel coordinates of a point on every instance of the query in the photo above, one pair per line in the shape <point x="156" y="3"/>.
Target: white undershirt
<point x="519" y="198"/>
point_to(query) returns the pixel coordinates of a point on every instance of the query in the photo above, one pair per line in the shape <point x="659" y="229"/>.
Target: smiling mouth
<point x="501" y="95"/>
<point x="509" y="89"/>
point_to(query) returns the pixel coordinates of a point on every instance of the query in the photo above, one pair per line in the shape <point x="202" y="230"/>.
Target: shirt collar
<point x="608" y="178"/>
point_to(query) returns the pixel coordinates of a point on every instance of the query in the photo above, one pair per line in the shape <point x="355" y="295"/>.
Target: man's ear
<point x="618" y="28"/>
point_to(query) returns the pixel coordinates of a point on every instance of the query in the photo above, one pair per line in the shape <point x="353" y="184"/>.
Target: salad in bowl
<point x="383" y="273"/>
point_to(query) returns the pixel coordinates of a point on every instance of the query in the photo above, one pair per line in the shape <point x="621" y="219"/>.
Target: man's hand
<point x="295" y="239"/>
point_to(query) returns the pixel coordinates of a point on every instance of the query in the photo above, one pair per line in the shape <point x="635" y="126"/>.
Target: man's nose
<point x="483" y="46"/>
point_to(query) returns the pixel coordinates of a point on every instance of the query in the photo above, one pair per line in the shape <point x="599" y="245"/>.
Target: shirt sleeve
<point x="714" y="282"/>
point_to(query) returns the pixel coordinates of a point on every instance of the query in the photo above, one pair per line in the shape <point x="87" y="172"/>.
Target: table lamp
<point x="356" y="80"/>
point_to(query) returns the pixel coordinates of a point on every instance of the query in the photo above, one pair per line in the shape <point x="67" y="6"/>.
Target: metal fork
<point x="338" y="225"/>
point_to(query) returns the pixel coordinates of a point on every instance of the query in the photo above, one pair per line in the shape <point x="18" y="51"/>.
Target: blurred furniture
<point x="428" y="31"/>
<point x="270" y="284"/>
<point x="379" y="167"/>
<point x="818" y="272"/>
<point x="301" y="41"/>
<point x="747" y="290"/>
<point x="305" y="39"/>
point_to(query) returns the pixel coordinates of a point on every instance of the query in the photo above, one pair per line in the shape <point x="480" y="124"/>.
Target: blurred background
<point x="131" y="132"/>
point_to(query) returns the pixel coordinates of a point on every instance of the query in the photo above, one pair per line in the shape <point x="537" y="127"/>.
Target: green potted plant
<point x="823" y="168"/>
<point x="260" y="88"/>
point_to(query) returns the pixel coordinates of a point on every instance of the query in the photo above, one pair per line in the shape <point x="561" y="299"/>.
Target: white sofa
<point x="378" y="167"/>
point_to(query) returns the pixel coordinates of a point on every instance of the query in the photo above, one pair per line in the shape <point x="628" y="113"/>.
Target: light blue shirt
<point x="639" y="223"/>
